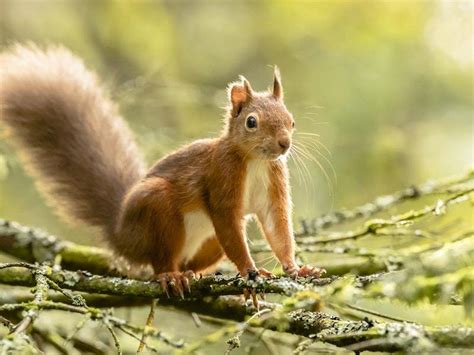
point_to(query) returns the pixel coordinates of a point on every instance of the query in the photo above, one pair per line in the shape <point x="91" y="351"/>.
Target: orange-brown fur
<point x="80" y="151"/>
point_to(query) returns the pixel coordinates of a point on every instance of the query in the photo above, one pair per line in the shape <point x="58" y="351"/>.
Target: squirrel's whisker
<point x="309" y="155"/>
<point x="315" y="143"/>
<point x="307" y="134"/>
<point x="321" y="166"/>
<point x="305" y="172"/>
<point x="297" y="162"/>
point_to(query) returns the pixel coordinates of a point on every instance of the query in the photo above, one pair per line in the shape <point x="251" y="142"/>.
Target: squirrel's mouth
<point x="275" y="156"/>
<point x="268" y="154"/>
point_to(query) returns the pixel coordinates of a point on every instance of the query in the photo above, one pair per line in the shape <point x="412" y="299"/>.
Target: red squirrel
<point x="189" y="210"/>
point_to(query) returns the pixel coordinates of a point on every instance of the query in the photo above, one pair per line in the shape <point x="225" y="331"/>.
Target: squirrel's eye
<point x="251" y="122"/>
<point x="293" y="124"/>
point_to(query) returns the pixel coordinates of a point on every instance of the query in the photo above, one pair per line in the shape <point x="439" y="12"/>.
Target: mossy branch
<point x="361" y="335"/>
<point x="33" y="245"/>
<point x="215" y="285"/>
<point x="375" y="226"/>
<point x="382" y="203"/>
<point x="320" y="326"/>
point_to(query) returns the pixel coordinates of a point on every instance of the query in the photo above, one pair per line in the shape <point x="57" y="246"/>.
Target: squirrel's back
<point x="69" y="133"/>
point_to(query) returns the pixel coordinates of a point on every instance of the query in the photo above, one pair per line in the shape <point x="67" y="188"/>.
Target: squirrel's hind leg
<point x="205" y="259"/>
<point x="151" y="229"/>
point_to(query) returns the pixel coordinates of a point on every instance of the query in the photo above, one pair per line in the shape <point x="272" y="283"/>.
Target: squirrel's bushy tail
<point x="69" y="133"/>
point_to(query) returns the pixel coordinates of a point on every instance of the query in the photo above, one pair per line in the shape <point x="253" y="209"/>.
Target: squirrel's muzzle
<point x="284" y="144"/>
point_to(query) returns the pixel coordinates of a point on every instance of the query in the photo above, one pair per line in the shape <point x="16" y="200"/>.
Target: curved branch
<point x="382" y="203"/>
<point x="33" y="245"/>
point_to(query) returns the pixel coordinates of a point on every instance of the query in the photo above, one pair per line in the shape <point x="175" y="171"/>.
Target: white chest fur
<point x="256" y="187"/>
<point x="198" y="226"/>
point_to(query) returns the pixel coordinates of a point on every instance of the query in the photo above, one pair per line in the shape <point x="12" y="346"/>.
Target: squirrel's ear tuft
<point x="277" y="87"/>
<point x="239" y="95"/>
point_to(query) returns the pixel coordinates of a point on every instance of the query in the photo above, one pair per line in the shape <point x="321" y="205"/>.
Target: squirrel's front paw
<point x="253" y="274"/>
<point x="265" y="273"/>
<point x="304" y="271"/>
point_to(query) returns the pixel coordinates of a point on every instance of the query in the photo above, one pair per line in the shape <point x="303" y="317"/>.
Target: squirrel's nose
<point x="284" y="143"/>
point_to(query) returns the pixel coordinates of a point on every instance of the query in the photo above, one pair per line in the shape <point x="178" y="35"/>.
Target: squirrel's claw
<point x="163" y="278"/>
<point x="174" y="283"/>
<point x="186" y="276"/>
<point x="177" y="286"/>
<point x="246" y="294"/>
<point x="251" y="293"/>
<point x="186" y="286"/>
<point x="255" y="299"/>
<point x="252" y="275"/>
<point x="265" y="273"/>
<point x="177" y="281"/>
<point x="308" y="271"/>
<point x="305" y="271"/>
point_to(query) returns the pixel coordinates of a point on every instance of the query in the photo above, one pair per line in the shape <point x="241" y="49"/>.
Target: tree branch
<point x="33" y="245"/>
<point x="216" y="285"/>
<point x="382" y="203"/>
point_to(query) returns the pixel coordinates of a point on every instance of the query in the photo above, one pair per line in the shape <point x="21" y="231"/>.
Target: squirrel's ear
<point x="277" y="87"/>
<point x="239" y="95"/>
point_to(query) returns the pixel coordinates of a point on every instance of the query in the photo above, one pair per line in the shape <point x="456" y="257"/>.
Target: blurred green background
<point x="388" y="86"/>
